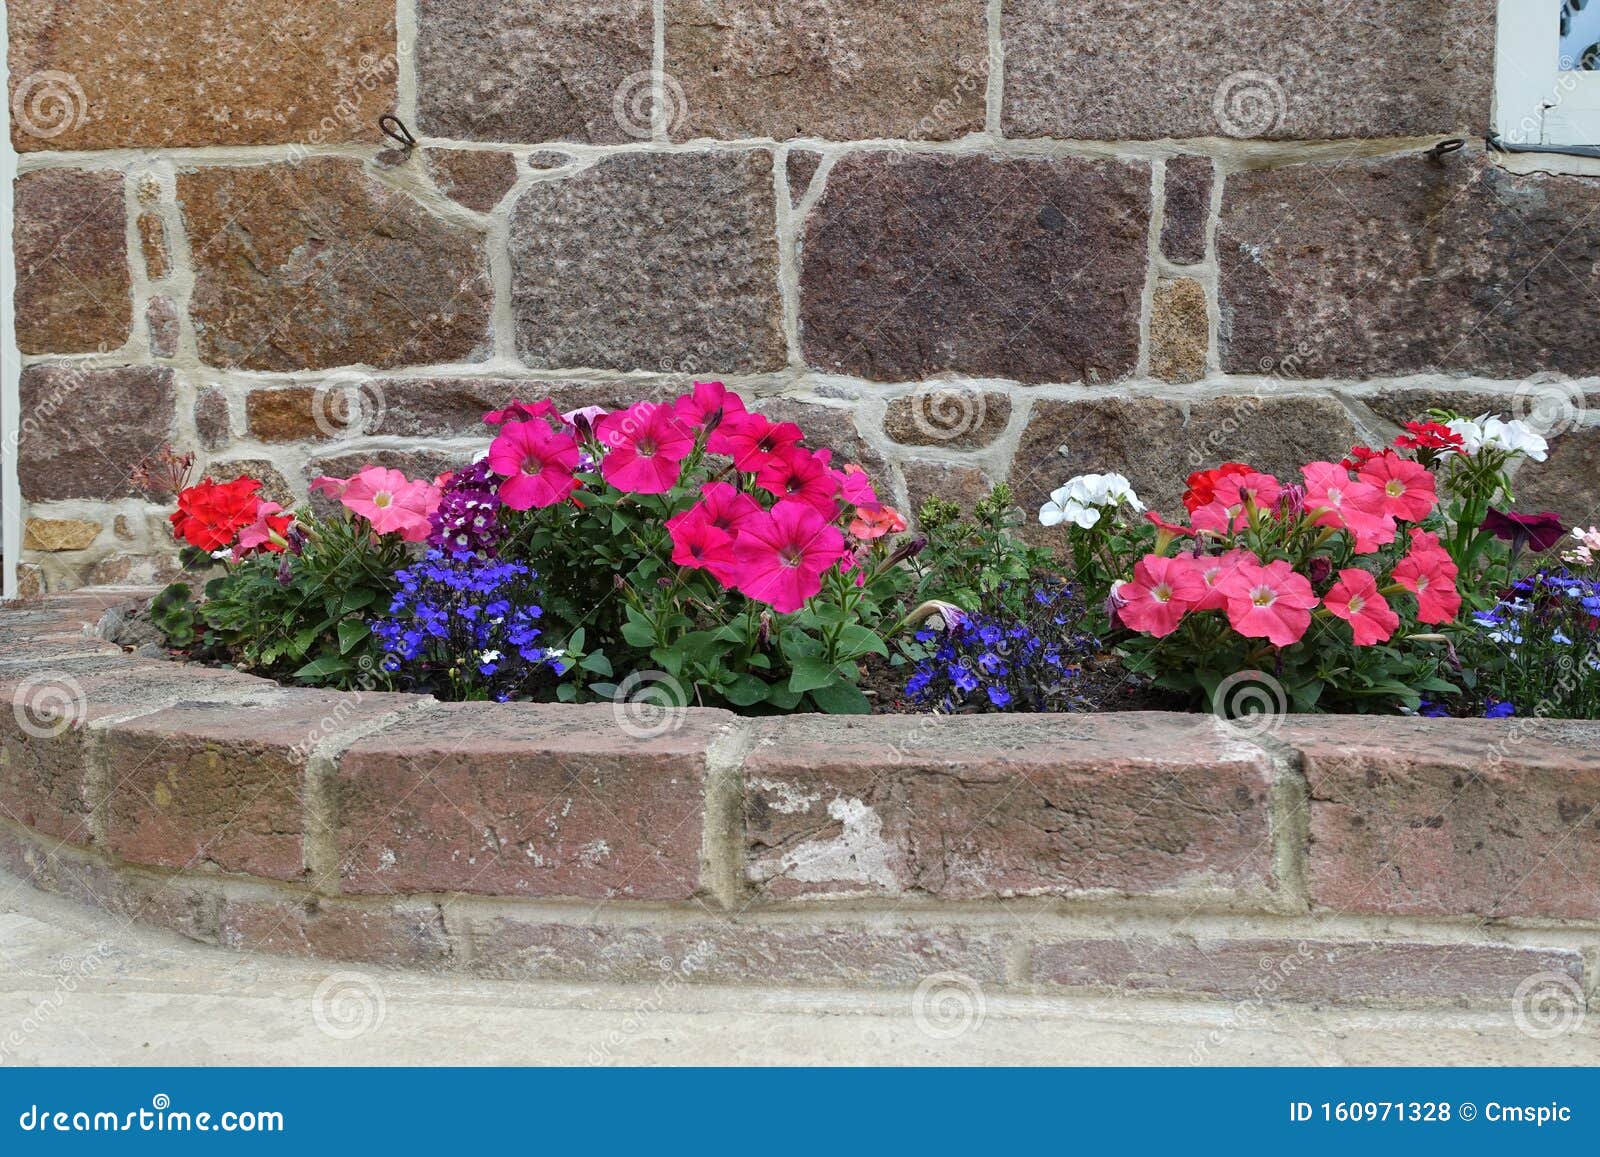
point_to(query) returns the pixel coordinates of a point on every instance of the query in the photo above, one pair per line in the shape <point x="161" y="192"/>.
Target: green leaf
<point x="856" y="641"/>
<point x="810" y="673"/>
<point x="576" y="642"/>
<point x="782" y="698"/>
<point x="841" y="698"/>
<point x="322" y="668"/>
<point x="566" y="692"/>
<point x="596" y="663"/>
<point x="351" y="633"/>
<point x="638" y="633"/>
<point x="358" y="599"/>
<point x="745" y="691"/>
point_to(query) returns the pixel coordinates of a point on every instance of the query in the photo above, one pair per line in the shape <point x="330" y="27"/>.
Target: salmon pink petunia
<point x="875" y="521"/>
<point x="1162" y="591"/>
<point x="1211" y="570"/>
<point x="269" y="532"/>
<point x="1260" y="490"/>
<point x="1428" y="577"/>
<point x="391" y="502"/>
<point x="644" y="446"/>
<point x="1335" y="499"/>
<point x="536" y="463"/>
<point x="1355" y="599"/>
<point x="1406" y="487"/>
<point x="783" y="555"/>
<point x="1269" y="602"/>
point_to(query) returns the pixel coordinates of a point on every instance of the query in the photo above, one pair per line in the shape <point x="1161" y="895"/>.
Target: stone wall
<point x="962" y="240"/>
<point x="1406" y="862"/>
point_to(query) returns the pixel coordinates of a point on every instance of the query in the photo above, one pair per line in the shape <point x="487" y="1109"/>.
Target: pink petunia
<point x="519" y="411"/>
<point x="705" y="400"/>
<point x="536" y="463"/>
<point x="1162" y="591"/>
<point x="1355" y="599"/>
<point x="783" y="555"/>
<point x="795" y="473"/>
<point x="855" y="487"/>
<point x="1407" y="487"/>
<point x="753" y="440"/>
<point x="700" y="544"/>
<point x="644" y="446"/>
<point x="391" y="502"/>
<point x="1269" y="602"/>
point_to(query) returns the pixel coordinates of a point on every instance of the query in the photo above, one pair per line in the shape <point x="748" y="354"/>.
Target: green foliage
<point x="305" y="615"/>
<point x="616" y="603"/>
<point x="177" y="616"/>
<point x="979" y="564"/>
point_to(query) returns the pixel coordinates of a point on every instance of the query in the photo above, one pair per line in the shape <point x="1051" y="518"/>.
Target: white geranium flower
<point x="1514" y="437"/>
<point x="1084" y="499"/>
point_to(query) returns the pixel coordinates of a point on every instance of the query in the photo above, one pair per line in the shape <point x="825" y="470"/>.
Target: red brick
<point x="44" y="728"/>
<point x="525" y="800"/>
<point x="406" y="934"/>
<point x="988" y="806"/>
<point x="221" y="785"/>
<point x="1453" y="817"/>
<point x="1287" y="969"/>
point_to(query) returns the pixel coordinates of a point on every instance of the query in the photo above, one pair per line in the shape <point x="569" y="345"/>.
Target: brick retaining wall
<point x="961" y="241"/>
<point x="1392" y="861"/>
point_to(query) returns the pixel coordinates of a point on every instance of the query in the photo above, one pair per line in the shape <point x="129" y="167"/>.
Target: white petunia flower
<point x="1513" y="437"/>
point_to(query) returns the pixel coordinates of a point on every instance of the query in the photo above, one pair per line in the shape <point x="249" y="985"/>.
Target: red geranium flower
<point x="1428" y="436"/>
<point x="210" y="515"/>
<point x="1203" y="484"/>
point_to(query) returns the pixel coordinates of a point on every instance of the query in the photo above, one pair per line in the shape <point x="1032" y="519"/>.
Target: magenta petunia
<point x="536" y="463"/>
<point x="645" y="445"/>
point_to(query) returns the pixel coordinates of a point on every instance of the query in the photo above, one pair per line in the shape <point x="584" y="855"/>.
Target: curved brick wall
<point x="1333" y="859"/>
<point x="1132" y="236"/>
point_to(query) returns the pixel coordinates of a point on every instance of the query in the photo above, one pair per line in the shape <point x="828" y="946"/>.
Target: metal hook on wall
<point x="395" y="129"/>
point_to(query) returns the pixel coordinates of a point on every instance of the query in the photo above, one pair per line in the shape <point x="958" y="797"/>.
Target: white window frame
<point x="1538" y="105"/>
<point x="10" y="358"/>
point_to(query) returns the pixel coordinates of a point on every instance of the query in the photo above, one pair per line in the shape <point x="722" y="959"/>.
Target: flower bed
<point x="697" y="552"/>
<point x="1340" y="859"/>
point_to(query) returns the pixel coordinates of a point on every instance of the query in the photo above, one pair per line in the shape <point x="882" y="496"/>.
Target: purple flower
<point x="1539" y="531"/>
